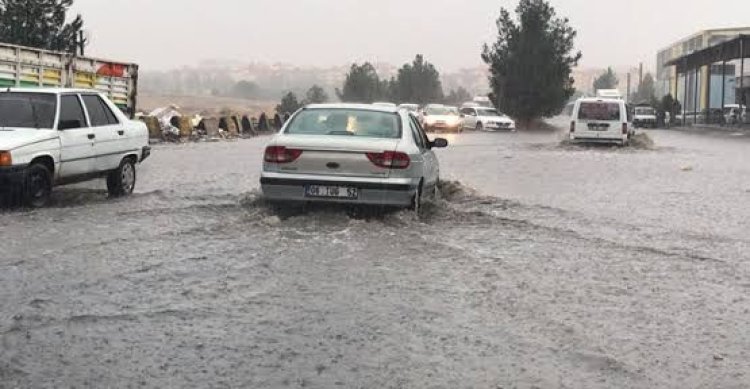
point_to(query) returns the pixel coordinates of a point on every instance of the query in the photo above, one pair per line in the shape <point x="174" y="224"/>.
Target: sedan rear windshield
<point x="27" y="110"/>
<point x="346" y="122"/>
<point x="599" y="111"/>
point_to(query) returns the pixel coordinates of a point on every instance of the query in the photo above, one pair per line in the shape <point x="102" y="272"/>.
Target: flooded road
<point x="542" y="266"/>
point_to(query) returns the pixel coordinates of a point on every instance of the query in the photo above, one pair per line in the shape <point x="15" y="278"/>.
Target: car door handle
<point x="92" y="136"/>
<point x="121" y="132"/>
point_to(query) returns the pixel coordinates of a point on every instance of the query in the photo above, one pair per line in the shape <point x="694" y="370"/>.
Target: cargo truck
<point x="28" y="67"/>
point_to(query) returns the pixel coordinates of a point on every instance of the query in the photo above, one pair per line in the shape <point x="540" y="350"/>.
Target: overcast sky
<point x="161" y="34"/>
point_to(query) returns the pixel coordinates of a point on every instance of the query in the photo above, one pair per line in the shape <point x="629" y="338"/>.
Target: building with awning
<point x="704" y="71"/>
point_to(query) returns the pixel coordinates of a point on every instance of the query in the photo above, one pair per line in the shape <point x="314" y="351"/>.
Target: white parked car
<point x="600" y="120"/>
<point x="481" y="118"/>
<point x="52" y="137"/>
<point x="351" y="154"/>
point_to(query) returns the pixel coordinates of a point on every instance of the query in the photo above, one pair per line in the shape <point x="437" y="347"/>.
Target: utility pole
<point x="640" y="76"/>
<point x="627" y="93"/>
<point x="81" y="43"/>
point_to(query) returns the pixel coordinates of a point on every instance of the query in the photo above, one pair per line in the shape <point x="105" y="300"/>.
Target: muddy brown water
<point x="540" y="266"/>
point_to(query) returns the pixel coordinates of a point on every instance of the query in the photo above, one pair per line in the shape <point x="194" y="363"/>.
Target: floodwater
<point x="544" y="265"/>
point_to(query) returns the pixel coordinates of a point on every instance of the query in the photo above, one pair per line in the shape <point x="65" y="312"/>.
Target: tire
<point x="416" y="202"/>
<point x="37" y="186"/>
<point x="480" y="126"/>
<point x="121" y="182"/>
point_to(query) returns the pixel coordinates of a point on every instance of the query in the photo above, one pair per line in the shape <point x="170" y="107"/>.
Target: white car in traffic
<point x="437" y="117"/>
<point x="52" y="137"/>
<point x="351" y="154"/>
<point x="483" y="119"/>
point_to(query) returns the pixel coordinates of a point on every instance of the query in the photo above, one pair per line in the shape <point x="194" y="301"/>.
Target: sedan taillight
<point x="572" y="126"/>
<point x="281" y="154"/>
<point x="624" y="128"/>
<point x="390" y="159"/>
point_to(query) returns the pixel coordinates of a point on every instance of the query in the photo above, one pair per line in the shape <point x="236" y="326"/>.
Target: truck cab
<point x="51" y="137"/>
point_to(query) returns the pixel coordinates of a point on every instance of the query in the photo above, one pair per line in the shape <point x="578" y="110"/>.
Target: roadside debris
<point x="170" y="125"/>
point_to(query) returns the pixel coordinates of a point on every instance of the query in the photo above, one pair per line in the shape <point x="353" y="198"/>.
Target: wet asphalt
<point x="543" y="265"/>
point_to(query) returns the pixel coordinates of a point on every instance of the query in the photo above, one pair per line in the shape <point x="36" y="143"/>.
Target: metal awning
<point x="736" y="48"/>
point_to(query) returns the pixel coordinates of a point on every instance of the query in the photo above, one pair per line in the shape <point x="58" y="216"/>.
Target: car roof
<point x="359" y="107"/>
<point x="49" y="90"/>
<point x="600" y="100"/>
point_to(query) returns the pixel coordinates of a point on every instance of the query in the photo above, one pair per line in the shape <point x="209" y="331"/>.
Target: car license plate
<point x="598" y="126"/>
<point x="335" y="192"/>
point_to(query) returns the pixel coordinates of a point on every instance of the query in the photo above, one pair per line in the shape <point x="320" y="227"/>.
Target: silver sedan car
<point x="353" y="154"/>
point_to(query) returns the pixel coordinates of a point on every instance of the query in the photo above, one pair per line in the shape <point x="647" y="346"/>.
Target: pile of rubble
<point x="170" y="125"/>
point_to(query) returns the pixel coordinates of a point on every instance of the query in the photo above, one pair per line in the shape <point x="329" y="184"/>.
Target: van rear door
<point x="600" y="119"/>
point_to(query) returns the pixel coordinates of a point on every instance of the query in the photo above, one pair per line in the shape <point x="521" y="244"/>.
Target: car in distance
<point x="384" y="104"/>
<point x="413" y="108"/>
<point x="441" y="118"/>
<point x="351" y="154"/>
<point x="489" y="119"/>
<point x="51" y="137"/>
<point x="644" y="116"/>
<point x="600" y="120"/>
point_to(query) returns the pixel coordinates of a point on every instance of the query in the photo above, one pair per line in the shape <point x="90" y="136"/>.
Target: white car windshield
<point x="441" y="111"/>
<point x="488" y="112"/>
<point x="27" y="110"/>
<point x="645" y="111"/>
<point x="346" y="122"/>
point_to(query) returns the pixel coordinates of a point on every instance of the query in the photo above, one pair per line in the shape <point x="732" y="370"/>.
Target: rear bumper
<point x="644" y="122"/>
<point x="11" y="177"/>
<point x="390" y="192"/>
<point x="599" y="138"/>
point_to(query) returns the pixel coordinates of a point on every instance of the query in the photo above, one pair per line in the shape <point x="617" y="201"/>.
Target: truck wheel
<point x="480" y="126"/>
<point x="37" y="186"/>
<point x="121" y="182"/>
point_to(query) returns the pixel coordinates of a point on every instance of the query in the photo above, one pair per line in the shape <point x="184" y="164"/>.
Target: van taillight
<point x="390" y="159"/>
<point x="281" y="154"/>
<point x="624" y="128"/>
<point x="573" y="126"/>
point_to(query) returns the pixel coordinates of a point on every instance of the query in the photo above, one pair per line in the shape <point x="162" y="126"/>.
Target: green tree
<point x="316" y="95"/>
<point x="418" y="82"/>
<point x="389" y="90"/>
<point x="458" y="96"/>
<point x="647" y="91"/>
<point x="39" y="23"/>
<point x="289" y="103"/>
<point x="245" y="90"/>
<point x="362" y="85"/>
<point x="531" y="62"/>
<point x="607" y="80"/>
<point x="669" y="104"/>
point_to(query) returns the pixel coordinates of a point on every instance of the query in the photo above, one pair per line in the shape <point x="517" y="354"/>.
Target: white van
<point x="600" y="120"/>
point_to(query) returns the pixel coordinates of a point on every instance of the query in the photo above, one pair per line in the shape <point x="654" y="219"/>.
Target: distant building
<point x="668" y="83"/>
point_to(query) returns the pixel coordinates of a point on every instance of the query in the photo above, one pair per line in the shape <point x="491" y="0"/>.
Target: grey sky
<point x="161" y="34"/>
